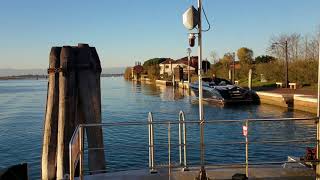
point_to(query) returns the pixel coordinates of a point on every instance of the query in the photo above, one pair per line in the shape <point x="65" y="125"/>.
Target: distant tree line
<point x="303" y="54"/>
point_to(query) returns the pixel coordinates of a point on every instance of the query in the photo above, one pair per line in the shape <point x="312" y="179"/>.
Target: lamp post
<point x="189" y="52"/>
<point x="202" y="173"/>
<point x="191" y="19"/>
<point x="284" y="45"/>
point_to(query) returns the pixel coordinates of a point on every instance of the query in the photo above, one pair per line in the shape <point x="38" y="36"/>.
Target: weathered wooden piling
<point x="74" y="97"/>
<point x="50" y="129"/>
<point x="67" y="108"/>
<point x="90" y="100"/>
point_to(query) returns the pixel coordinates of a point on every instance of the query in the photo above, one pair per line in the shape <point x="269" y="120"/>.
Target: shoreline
<point x="286" y="98"/>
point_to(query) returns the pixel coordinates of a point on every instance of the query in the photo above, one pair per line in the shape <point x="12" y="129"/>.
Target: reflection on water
<point x="22" y="105"/>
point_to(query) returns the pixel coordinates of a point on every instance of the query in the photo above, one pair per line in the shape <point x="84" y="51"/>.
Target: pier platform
<point x="302" y="102"/>
<point x="271" y="172"/>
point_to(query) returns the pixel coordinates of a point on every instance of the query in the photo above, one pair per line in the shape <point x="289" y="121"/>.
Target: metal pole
<point x="185" y="145"/>
<point x="182" y="121"/>
<point x="180" y="141"/>
<point x="202" y="173"/>
<point x="169" y="149"/>
<point x="151" y="144"/>
<point x="152" y="147"/>
<point x="81" y="139"/>
<point x="247" y="149"/>
<point x="287" y="71"/>
<point x="149" y="128"/>
<point x="200" y="61"/>
<point x="318" y="124"/>
<point x="189" y="51"/>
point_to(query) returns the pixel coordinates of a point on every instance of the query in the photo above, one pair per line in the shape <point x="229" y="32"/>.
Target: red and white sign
<point x="245" y="130"/>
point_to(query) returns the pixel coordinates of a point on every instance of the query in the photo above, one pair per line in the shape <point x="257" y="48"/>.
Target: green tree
<point x="245" y="55"/>
<point x="153" y="61"/>
<point x="264" y="59"/>
<point x="227" y="59"/>
<point x="153" y="72"/>
<point x="151" y="67"/>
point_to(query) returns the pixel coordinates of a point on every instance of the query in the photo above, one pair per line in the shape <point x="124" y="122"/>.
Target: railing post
<point x="318" y="115"/>
<point x="151" y="144"/>
<point x="149" y="135"/>
<point x="180" y="140"/>
<point x="81" y="158"/>
<point x="247" y="149"/>
<point x="169" y="148"/>
<point x="182" y="121"/>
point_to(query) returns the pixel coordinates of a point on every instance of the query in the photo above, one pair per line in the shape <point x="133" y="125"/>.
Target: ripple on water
<point x="22" y="106"/>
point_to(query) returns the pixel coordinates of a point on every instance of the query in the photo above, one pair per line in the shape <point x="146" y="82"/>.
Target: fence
<point x="77" y="144"/>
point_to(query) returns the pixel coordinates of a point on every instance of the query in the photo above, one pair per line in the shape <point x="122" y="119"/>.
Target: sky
<point x="125" y="31"/>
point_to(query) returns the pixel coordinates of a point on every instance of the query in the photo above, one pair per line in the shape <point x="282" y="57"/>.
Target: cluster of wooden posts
<point x="73" y="98"/>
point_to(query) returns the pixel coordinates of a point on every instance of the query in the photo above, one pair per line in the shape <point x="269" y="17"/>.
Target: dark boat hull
<point x="229" y="95"/>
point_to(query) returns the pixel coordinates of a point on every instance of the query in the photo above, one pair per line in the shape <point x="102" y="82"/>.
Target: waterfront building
<point x="167" y="67"/>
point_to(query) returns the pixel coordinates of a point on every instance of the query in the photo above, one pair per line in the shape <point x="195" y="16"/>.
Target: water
<point x="22" y="106"/>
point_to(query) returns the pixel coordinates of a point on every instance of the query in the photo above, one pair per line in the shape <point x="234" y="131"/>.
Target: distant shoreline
<point x="26" y="77"/>
<point x="22" y="77"/>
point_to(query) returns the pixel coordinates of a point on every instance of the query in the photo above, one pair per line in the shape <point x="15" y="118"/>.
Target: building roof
<point x="184" y="60"/>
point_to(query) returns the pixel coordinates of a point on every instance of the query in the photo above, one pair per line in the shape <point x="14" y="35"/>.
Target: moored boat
<point x="222" y="91"/>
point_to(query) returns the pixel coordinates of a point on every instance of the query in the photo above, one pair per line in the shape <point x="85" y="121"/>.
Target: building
<point x="167" y="67"/>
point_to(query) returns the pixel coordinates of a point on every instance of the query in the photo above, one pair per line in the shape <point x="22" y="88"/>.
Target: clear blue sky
<point x="124" y="31"/>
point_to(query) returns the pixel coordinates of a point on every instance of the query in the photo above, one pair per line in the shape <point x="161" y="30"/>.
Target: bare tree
<point x="214" y="57"/>
<point x="299" y="47"/>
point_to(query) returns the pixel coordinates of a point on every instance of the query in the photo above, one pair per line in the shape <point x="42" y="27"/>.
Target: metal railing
<point x="76" y="145"/>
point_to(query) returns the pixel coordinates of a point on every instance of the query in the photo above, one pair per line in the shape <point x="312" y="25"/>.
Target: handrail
<point x="151" y="143"/>
<point x="183" y="123"/>
<point x="78" y="137"/>
<point x="164" y="122"/>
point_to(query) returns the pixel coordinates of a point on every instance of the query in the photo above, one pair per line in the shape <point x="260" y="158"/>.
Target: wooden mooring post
<point x="74" y="97"/>
<point x="50" y="129"/>
<point x="67" y="108"/>
<point x="90" y="100"/>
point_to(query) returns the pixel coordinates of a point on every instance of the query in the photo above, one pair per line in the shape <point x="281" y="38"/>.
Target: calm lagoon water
<point x="22" y="106"/>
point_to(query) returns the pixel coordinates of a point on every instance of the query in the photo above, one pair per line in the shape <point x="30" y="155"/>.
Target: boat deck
<point x="255" y="172"/>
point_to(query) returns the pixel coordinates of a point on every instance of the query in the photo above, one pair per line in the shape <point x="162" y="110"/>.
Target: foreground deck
<point x="255" y="172"/>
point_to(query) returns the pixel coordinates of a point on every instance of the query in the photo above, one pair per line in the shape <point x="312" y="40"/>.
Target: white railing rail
<point x="76" y="145"/>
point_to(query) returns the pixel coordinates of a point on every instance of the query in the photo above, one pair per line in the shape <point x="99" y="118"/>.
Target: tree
<point x="127" y="73"/>
<point x="227" y="59"/>
<point x="299" y="47"/>
<point x="214" y="57"/>
<point x="245" y="55"/>
<point x="153" y="72"/>
<point x="264" y="59"/>
<point x="153" y="61"/>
